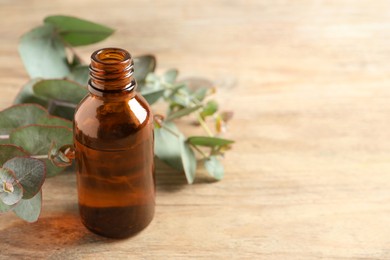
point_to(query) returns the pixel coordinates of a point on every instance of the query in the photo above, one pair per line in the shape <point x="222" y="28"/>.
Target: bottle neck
<point x="111" y="73"/>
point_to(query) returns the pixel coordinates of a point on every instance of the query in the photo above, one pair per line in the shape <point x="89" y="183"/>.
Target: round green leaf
<point x="214" y="167"/>
<point x="43" y="53"/>
<point x="77" y="32"/>
<point x="29" y="210"/>
<point x="59" y="89"/>
<point x="37" y="139"/>
<point x="29" y="172"/>
<point x="8" y="151"/>
<point x="167" y="145"/>
<point x="20" y="115"/>
<point x="4" y="207"/>
<point x="54" y="121"/>
<point x="10" y="190"/>
<point x="188" y="159"/>
<point x="208" y="141"/>
<point x="27" y="114"/>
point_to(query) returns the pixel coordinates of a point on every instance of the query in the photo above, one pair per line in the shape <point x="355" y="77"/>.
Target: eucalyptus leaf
<point x="209" y="109"/>
<point x="29" y="172"/>
<point x="77" y="32"/>
<point x="214" y="167"/>
<point x="170" y="76"/>
<point x="143" y="65"/>
<point x="167" y="145"/>
<point x="200" y="94"/>
<point x="182" y="112"/>
<point x="29" y="210"/>
<point x="188" y="159"/>
<point x="79" y="74"/>
<point x="37" y="139"/>
<point x="54" y="121"/>
<point x="208" y="141"/>
<point x="8" y="151"/>
<point x="43" y="54"/>
<point x="28" y="114"/>
<point x="19" y="115"/>
<point x="26" y="94"/>
<point x="59" y="89"/>
<point x="4" y="207"/>
<point x="152" y="96"/>
<point x="11" y="191"/>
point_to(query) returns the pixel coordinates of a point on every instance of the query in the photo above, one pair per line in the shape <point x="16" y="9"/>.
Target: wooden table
<point x="309" y="176"/>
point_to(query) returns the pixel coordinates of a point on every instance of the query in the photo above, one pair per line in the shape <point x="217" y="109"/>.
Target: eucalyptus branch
<point x="36" y="128"/>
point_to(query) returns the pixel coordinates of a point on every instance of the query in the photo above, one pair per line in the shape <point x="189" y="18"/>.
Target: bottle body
<point x="113" y="138"/>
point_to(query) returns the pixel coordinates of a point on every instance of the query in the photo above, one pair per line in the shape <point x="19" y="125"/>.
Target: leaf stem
<point x="170" y="130"/>
<point x="4" y="137"/>
<point x="199" y="150"/>
<point x="42" y="156"/>
<point x="205" y="127"/>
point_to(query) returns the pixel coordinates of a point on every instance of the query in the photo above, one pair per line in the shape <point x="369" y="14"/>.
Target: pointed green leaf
<point x="10" y="190"/>
<point x="208" y="141"/>
<point x="20" y="115"/>
<point x="58" y="89"/>
<point x="152" y="96"/>
<point x="29" y="210"/>
<point x="37" y="139"/>
<point x="8" y="151"/>
<point x="77" y="32"/>
<point x="29" y="172"/>
<point x="183" y="112"/>
<point x="79" y="74"/>
<point x="200" y="94"/>
<point x="188" y="159"/>
<point x="43" y="53"/>
<point x="214" y="167"/>
<point x="143" y="65"/>
<point x="167" y="146"/>
<point x="26" y="94"/>
<point x="209" y="109"/>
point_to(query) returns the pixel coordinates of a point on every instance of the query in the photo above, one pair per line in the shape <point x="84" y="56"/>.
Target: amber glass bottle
<point x="113" y="137"/>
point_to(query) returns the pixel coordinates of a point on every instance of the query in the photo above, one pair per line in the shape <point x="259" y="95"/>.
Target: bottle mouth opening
<point x="111" y="56"/>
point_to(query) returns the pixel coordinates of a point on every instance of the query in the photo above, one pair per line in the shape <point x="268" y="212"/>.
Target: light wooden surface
<point x="309" y="177"/>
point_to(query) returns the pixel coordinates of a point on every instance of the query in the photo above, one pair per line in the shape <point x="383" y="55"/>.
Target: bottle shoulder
<point x="100" y="121"/>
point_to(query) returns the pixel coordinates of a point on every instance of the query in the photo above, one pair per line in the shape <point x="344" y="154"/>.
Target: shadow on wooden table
<point x="54" y="233"/>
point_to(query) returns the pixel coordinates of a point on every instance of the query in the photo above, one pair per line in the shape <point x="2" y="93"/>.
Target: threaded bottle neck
<point x="111" y="71"/>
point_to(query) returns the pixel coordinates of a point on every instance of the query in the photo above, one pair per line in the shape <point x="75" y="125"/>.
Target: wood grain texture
<point x="309" y="177"/>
